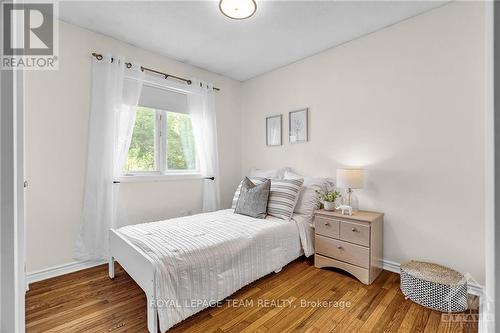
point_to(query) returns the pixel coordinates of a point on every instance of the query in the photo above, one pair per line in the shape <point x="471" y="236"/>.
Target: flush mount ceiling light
<point x="238" y="9"/>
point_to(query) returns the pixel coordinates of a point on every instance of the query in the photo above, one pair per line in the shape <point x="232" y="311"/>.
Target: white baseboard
<point x="390" y="266"/>
<point x="472" y="288"/>
<point x="60" y="270"/>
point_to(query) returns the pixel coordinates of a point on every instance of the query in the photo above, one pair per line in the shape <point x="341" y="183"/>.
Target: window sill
<point x="159" y="178"/>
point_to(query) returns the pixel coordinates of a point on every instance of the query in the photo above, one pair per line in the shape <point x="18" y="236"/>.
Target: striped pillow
<point x="283" y="197"/>
<point x="255" y="180"/>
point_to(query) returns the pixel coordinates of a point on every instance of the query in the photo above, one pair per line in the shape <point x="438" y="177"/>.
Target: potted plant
<point x="328" y="199"/>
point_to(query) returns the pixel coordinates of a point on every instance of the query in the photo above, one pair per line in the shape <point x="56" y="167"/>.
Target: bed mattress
<point x="204" y="258"/>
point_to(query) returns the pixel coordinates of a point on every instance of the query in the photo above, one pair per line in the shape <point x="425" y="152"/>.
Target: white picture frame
<point x="274" y="130"/>
<point x="298" y="126"/>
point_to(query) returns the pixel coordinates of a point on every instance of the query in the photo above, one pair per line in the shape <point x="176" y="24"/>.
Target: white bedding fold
<point x="204" y="258"/>
<point x="306" y="232"/>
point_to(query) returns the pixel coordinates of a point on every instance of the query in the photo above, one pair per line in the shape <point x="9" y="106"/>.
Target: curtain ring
<point x="129" y="65"/>
<point x="98" y="56"/>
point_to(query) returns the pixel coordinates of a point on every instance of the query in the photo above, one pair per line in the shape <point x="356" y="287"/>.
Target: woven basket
<point x="434" y="286"/>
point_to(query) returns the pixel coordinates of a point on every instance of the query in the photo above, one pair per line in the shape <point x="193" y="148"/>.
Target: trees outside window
<point x="162" y="142"/>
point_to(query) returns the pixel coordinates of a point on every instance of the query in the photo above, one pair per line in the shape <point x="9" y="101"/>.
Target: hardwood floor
<point x="88" y="301"/>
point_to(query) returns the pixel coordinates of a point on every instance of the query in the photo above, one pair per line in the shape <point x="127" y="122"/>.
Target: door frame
<point x="12" y="240"/>
<point x="490" y="297"/>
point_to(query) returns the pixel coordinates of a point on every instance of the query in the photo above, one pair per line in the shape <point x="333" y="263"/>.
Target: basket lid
<point x="433" y="273"/>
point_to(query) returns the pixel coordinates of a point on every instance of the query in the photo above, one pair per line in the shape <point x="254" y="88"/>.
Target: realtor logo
<point x="29" y="38"/>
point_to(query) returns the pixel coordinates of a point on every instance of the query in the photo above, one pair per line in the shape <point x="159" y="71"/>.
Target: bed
<point x="187" y="264"/>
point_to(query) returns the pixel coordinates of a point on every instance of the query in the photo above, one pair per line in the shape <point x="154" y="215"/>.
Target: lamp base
<point x="350" y="200"/>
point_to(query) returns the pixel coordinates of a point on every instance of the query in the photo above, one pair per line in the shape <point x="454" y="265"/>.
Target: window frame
<point x="161" y="152"/>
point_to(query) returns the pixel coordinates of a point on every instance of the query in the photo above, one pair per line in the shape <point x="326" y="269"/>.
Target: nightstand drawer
<point x="355" y="233"/>
<point x="337" y="249"/>
<point x="362" y="274"/>
<point x="326" y="227"/>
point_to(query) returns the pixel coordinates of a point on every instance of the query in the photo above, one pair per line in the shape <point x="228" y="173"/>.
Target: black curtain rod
<point x="129" y="65"/>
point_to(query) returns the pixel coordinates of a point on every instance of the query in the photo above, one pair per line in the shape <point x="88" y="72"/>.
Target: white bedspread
<point x="306" y="232"/>
<point x="204" y="258"/>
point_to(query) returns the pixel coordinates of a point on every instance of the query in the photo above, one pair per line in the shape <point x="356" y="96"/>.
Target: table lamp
<point x="349" y="179"/>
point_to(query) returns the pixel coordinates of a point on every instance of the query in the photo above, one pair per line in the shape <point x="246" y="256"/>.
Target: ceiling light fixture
<point x="238" y="9"/>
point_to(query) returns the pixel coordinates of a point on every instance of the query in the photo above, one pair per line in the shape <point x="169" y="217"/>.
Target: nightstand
<point x="352" y="243"/>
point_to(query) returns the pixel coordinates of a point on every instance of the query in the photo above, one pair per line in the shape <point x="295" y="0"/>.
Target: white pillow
<point x="289" y="174"/>
<point x="308" y="200"/>
<point x="271" y="174"/>
<point x="308" y="181"/>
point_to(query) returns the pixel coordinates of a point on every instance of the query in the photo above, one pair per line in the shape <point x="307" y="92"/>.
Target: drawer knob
<point x="339" y="247"/>
<point x="354" y="229"/>
<point x="326" y="223"/>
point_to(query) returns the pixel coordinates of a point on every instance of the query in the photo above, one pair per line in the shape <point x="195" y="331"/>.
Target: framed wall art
<point x="298" y="126"/>
<point x="273" y="130"/>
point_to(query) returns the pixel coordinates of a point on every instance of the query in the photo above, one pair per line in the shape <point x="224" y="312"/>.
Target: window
<point x="162" y="143"/>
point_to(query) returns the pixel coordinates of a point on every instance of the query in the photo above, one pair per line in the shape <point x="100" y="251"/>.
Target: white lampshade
<point x="350" y="178"/>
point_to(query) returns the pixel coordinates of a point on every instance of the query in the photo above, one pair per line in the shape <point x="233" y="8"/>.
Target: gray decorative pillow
<point x="253" y="199"/>
<point x="255" y="180"/>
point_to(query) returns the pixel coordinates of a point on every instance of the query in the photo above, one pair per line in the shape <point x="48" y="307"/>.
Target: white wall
<point x="406" y="103"/>
<point x="57" y="112"/>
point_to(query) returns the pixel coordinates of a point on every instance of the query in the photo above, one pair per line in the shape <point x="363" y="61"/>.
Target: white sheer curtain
<point x="125" y="119"/>
<point x="115" y="93"/>
<point x="201" y="107"/>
